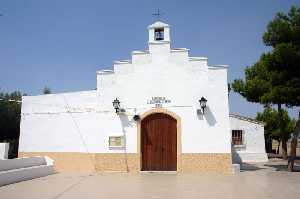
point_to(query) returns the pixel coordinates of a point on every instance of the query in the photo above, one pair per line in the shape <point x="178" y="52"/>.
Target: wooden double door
<point x="159" y="143"/>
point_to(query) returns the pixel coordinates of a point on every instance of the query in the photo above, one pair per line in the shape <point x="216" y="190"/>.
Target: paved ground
<point x="256" y="181"/>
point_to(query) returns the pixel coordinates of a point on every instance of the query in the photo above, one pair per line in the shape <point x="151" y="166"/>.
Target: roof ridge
<point x="249" y="119"/>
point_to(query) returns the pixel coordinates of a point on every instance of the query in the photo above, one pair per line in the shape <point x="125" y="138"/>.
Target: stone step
<point x="17" y="163"/>
<point x="27" y="172"/>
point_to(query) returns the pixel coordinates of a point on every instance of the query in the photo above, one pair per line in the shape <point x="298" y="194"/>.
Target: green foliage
<point x="10" y="116"/>
<point x="275" y="78"/>
<point x="10" y="111"/>
<point x="272" y="127"/>
<point x="284" y="28"/>
<point x="256" y="84"/>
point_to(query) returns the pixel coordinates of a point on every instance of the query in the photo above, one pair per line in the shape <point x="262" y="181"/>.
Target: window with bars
<point x="237" y="137"/>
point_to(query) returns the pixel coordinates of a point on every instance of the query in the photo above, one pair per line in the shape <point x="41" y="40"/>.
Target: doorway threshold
<point x="159" y="172"/>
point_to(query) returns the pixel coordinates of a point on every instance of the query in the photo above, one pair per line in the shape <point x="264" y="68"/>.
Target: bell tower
<point x="159" y="38"/>
<point x="159" y="32"/>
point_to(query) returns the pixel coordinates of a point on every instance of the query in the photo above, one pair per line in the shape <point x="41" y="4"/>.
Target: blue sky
<point x="62" y="43"/>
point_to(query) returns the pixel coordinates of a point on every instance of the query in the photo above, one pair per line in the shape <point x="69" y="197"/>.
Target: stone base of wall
<point x="117" y="162"/>
<point x="120" y="162"/>
<point x="205" y="162"/>
<point x="67" y="161"/>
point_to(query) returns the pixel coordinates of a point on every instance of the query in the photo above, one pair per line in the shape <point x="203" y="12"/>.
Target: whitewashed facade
<point x="78" y="125"/>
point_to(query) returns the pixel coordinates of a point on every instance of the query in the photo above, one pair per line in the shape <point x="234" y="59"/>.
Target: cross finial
<point x="158" y="14"/>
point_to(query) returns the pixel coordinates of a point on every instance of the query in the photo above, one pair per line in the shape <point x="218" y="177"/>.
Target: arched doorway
<point x="159" y="143"/>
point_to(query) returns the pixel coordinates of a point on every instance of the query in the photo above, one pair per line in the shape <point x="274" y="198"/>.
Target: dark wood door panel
<point x="159" y="143"/>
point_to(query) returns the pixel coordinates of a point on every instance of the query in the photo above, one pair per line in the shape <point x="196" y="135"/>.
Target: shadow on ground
<point x="282" y="167"/>
<point x="274" y="164"/>
<point x="250" y="167"/>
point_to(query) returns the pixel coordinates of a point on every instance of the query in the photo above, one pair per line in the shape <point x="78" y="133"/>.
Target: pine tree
<point x="275" y="78"/>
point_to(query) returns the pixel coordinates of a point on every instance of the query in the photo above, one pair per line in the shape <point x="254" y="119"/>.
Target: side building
<point x="248" y="141"/>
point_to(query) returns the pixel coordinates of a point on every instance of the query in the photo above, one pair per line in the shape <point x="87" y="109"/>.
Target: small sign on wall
<point x="158" y="101"/>
<point x="116" y="141"/>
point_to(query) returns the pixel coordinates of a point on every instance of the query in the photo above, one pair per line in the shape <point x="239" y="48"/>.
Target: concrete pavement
<point x="257" y="181"/>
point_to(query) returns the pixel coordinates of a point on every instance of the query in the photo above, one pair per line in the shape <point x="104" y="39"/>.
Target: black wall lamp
<point x="202" y="102"/>
<point x="116" y="105"/>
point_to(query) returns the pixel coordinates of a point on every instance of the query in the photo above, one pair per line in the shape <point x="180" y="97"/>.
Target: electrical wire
<point x="93" y="110"/>
<point x="79" y="132"/>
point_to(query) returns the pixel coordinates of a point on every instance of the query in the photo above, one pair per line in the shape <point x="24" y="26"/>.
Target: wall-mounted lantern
<point x="116" y="105"/>
<point x="202" y="102"/>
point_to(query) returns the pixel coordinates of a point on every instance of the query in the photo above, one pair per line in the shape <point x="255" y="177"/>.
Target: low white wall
<point x="4" y="150"/>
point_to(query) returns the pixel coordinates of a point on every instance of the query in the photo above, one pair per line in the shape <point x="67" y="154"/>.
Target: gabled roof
<point x="248" y="119"/>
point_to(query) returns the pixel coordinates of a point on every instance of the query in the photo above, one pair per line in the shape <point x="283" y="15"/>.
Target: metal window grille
<point x="237" y="137"/>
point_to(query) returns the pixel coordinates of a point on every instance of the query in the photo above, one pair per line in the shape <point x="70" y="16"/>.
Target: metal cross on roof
<point x="158" y="14"/>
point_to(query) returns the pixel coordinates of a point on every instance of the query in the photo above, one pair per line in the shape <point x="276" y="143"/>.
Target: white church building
<point x="160" y="111"/>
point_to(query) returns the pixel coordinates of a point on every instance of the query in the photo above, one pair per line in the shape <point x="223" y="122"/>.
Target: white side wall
<point x="253" y="149"/>
<point x="56" y="122"/>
